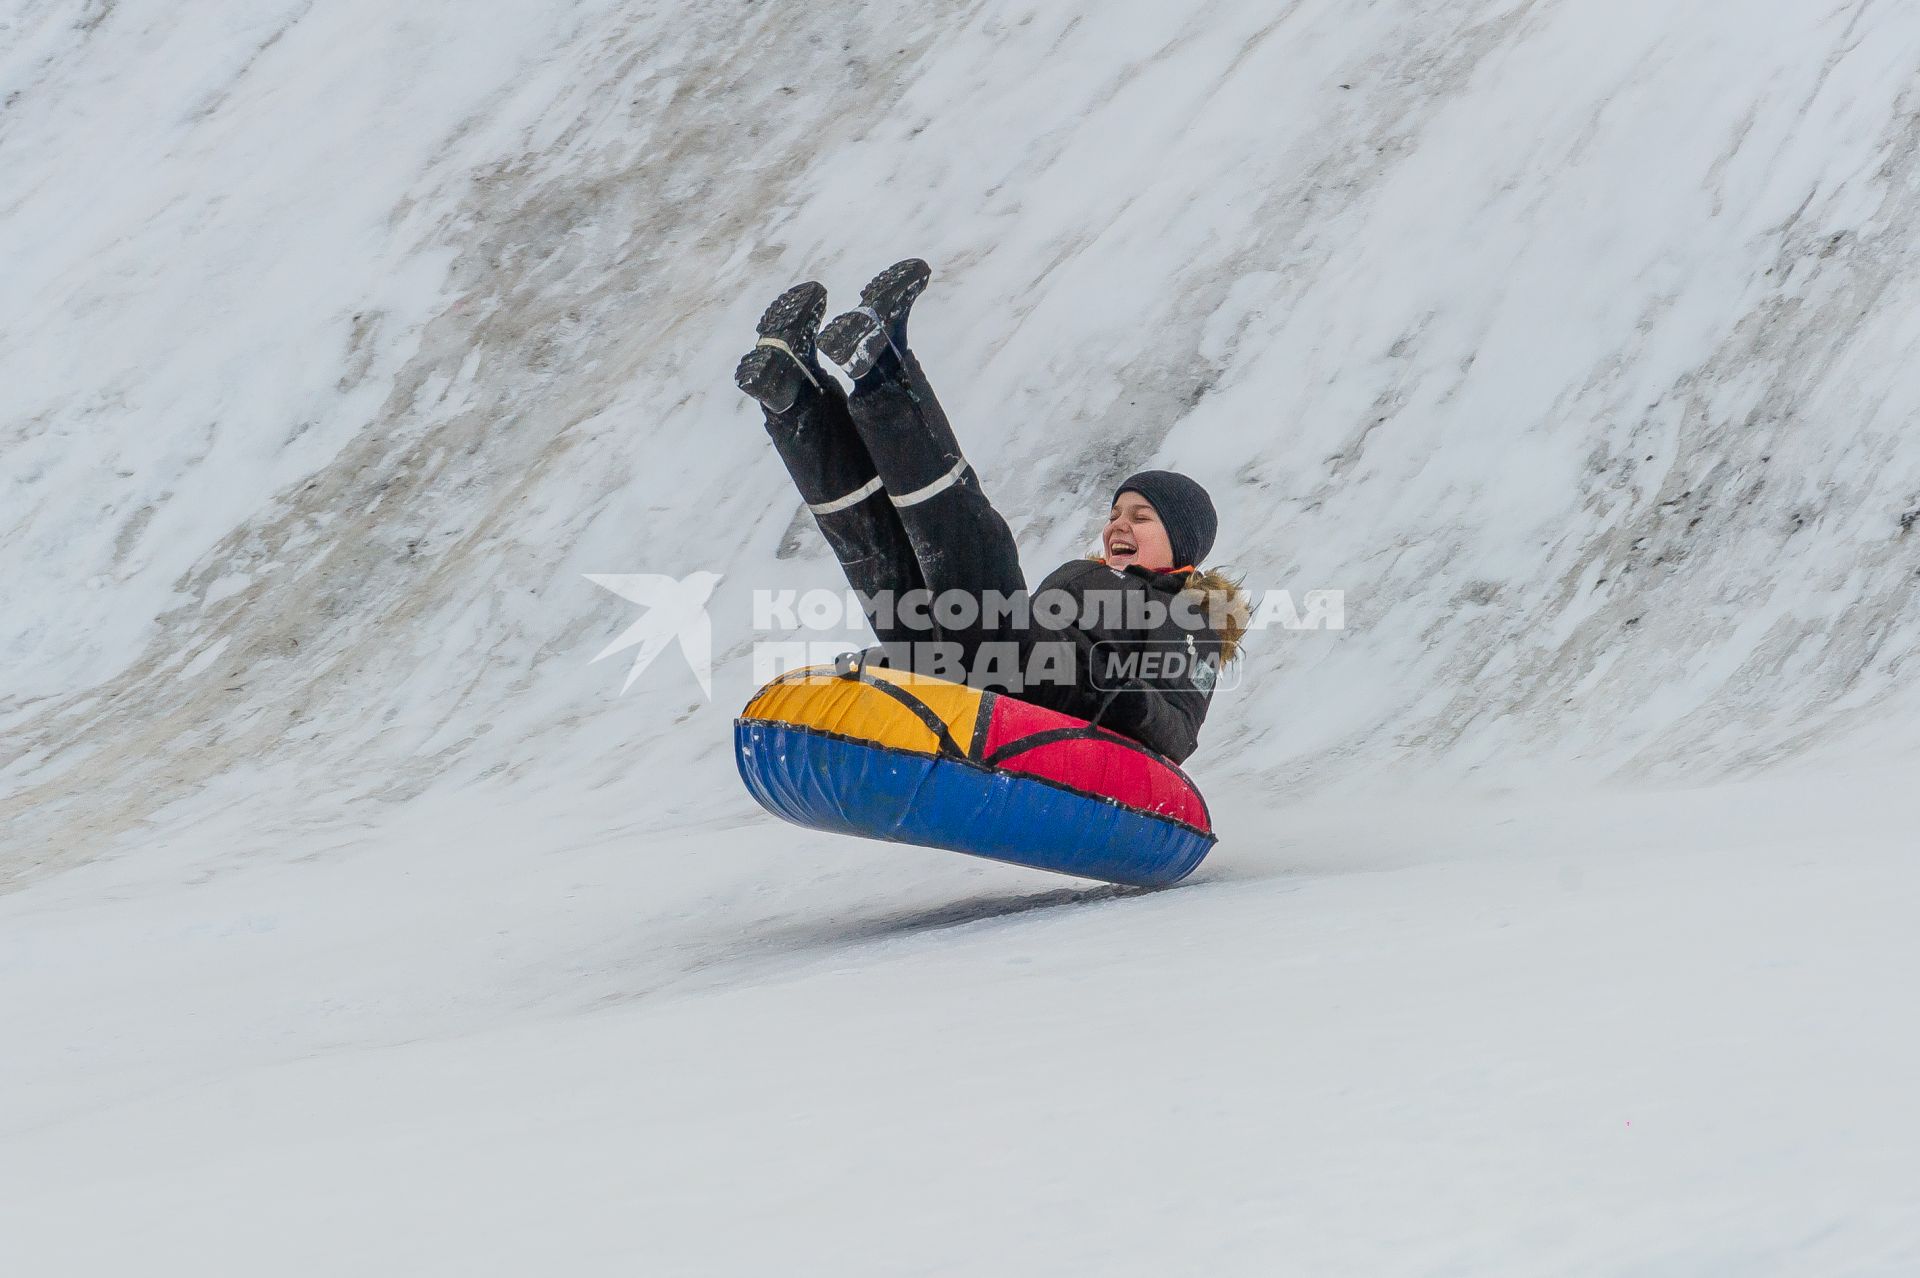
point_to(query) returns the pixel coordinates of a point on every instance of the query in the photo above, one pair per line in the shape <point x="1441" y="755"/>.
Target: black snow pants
<point x="892" y="493"/>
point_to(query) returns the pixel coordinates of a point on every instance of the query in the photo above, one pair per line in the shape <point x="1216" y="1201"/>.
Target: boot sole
<point x="794" y="316"/>
<point x="854" y="340"/>
<point x="896" y="287"/>
<point x="770" y="378"/>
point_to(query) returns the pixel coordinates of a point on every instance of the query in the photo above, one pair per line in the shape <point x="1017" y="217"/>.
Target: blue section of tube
<point x="847" y="787"/>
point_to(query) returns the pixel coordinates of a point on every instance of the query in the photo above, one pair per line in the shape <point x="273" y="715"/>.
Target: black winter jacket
<point x="1146" y="672"/>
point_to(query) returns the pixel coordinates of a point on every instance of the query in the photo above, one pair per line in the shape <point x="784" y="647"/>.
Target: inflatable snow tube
<point x="910" y="759"/>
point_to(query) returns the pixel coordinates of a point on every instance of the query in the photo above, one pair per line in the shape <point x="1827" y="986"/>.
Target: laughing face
<point x="1135" y="535"/>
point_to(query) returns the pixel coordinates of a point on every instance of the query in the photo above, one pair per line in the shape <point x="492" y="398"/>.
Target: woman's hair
<point x="1228" y="611"/>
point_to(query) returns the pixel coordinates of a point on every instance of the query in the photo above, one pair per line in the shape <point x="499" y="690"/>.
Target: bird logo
<point x="676" y="609"/>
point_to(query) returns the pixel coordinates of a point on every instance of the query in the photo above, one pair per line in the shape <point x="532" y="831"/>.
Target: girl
<point x="1143" y="630"/>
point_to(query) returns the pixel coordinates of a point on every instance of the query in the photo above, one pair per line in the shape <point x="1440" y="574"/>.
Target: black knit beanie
<point x="1185" y="509"/>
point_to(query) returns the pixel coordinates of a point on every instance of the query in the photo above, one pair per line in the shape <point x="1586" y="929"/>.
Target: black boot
<point x="864" y="339"/>
<point x="782" y="364"/>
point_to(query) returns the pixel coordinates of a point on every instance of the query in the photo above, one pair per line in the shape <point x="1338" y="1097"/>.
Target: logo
<point x="676" y="609"/>
<point x="1006" y="641"/>
<point x="1134" y="665"/>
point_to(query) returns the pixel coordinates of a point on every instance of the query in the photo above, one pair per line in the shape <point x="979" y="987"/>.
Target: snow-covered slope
<point x="1571" y="338"/>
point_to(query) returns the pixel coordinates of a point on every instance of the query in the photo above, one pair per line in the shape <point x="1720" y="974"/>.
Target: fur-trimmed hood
<point x="1228" y="609"/>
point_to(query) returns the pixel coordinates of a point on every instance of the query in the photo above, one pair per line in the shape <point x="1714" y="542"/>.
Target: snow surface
<point x="1561" y="921"/>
